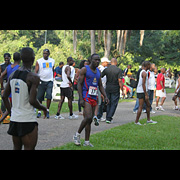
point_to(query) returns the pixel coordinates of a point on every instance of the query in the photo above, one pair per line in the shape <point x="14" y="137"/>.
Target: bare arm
<point x="68" y="72"/>
<point x="144" y="82"/>
<point x="37" y="67"/>
<point x="80" y="85"/>
<point x="101" y="88"/>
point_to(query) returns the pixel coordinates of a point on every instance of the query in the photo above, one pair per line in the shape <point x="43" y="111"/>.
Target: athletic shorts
<point x="92" y="102"/>
<point x="21" y="128"/>
<point x="45" y="87"/>
<point x="160" y="93"/>
<point x="141" y="96"/>
<point x="67" y="92"/>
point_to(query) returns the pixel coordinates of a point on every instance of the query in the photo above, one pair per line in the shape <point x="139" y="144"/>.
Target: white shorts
<point x="160" y="93"/>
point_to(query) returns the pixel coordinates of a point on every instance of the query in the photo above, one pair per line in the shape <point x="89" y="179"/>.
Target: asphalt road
<point x="52" y="132"/>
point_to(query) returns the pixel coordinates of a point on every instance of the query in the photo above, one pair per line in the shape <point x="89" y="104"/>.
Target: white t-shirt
<point x="104" y="79"/>
<point x="46" y="69"/>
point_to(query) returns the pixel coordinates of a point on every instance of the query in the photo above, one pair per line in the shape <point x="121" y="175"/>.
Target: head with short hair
<point x="163" y="70"/>
<point x="17" y="57"/>
<point x="114" y="61"/>
<point x="46" y="54"/>
<point x="27" y="55"/>
<point x="70" y="61"/>
<point x="147" y="65"/>
<point x="95" y="60"/>
<point x="7" y="58"/>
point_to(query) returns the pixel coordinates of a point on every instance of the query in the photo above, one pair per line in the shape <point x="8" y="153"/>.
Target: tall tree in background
<point x="107" y="43"/>
<point x="74" y="40"/>
<point x="141" y="37"/>
<point x="92" y="41"/>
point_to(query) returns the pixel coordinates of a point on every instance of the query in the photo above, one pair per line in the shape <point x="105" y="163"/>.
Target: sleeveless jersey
<point x="90" y="85"/>
<point x="22" y="110"/>
<point x="139" y="86"/>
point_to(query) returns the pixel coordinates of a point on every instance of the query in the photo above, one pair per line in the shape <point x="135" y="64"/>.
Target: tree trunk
<point x="141" y="37"/>
<point x="99" y="36"/>
<point x="108" y="43"/>
<point x="118" y="38"/>
<point x="74" y="40"/>
<point x="121" y="42"/>
<point x="124" y="41"/>
<point x="92" y="41"/>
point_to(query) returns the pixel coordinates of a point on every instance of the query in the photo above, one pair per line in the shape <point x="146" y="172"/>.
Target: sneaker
<point x="151" y="121"/>
<point x="156" y="108"/>
<point x="88" y="144"/>
<point x="47" y="115"/>
<point x="138" y="123"/>
<point x="39" y="115"/>
<point x="76" y="139"/>
<point x="73" y="116"/>
<point x="96" y="121"/>
<point x="161" y="108"/>
<point x="59" y="117"/>
<point x="109" y="122"/>
<point x="135" y="112"/>
<point x="152" y="112"/>
<point x="102" y="119"/>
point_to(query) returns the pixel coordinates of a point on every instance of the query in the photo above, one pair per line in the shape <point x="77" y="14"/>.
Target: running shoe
<point x="161" y="108"/>
<point x="59" y="117"/>
<point x="152" y="122"/>
<point x="73" y="116"/>
<point x="47" y="115"/>
<point x="76" y="139"/>
<point x="88" y="144"/>
<point x="39" y="115"/>
<point x="138" y="123"/>
<point x="96" y="121"/>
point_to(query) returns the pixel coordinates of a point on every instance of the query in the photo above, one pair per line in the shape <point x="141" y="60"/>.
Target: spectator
<point x="58" y="71"/>
<point x="127" y="69"/>
<point x="160" y="90"/>
<point x="45" y="68"/>
<point x="113" y="85"/>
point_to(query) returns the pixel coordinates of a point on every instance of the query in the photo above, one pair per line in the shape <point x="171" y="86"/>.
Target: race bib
<point x="93" y="91"/>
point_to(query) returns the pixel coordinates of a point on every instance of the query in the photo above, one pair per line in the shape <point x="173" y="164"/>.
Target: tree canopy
<point x="129" y="46"/>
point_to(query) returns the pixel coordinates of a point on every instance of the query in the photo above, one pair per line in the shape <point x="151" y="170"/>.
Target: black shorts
<point x="21" y="128"/>
<point x="141" y="96"/>
<point x="67" y="92"/>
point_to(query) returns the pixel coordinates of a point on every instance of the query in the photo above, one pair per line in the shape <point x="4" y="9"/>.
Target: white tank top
<point x="139" y="86"/>
<point x="22" y="110"/>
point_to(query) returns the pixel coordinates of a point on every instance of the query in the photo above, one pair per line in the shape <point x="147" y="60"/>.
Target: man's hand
<point x="106" y="101"/>
<point x="82" y="103"/>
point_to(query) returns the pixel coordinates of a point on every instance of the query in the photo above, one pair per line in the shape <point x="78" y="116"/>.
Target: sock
<point x="47" y="110"/>
<point x="77" y="134"/>
<point x="86" y="142"/>
<point x="39" y="112"/>
<point x="71" y="114"/>
<point x="57" y="114"/>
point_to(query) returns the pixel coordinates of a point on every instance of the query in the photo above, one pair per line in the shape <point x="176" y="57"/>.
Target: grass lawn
<point x="65" y="109"/>
<point x="165" y="135"/>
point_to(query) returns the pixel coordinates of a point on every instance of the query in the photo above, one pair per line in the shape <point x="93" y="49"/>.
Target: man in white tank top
<point x="142" y="93"/>
<point x="23" y="85"/>
<point x="67" y="89"/>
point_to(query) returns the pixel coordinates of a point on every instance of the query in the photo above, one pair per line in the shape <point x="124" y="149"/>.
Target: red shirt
<point x="160" y="77"/>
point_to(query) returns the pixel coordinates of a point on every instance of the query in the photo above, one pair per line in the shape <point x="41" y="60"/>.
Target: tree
<point x="74" y="40"/>
<point x="92" y="41"/>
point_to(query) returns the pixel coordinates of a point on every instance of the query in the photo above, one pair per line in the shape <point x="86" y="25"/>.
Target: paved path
<point x="54" y="132"/>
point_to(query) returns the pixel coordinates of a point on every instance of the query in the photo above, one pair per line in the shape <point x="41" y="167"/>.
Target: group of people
<point x="98" y="87"/>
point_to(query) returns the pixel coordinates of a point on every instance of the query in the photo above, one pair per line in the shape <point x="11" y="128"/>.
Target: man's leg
<point x="70" y="106"/>
<point x="17" y="143"/>
<point x="60" y="104"/>
<point x="141" y="103"/>
<point x="88" y="115"/>
<point x="157" y="101"/>
<point x="30" y="140"/>
<point x="114" y="103"/>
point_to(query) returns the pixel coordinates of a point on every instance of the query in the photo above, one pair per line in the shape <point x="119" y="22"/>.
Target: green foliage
<point x="159" y="46"/>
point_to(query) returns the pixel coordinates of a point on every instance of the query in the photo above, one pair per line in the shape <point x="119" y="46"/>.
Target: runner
<point x="142" y="94"/>
<point x="67" y="89"/>
<point x="23" y="85"/>
<point x="89" y="80"/>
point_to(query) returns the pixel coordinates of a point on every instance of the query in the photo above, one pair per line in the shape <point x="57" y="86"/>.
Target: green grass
<point x="165" y="135"/>
<point x="65" y="109"/>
